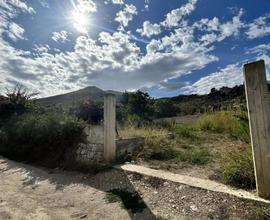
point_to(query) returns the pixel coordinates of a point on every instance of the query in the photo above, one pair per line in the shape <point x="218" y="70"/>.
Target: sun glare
<point x="80" y="21"/>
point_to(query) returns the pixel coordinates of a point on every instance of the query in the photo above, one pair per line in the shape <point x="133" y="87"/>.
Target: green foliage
<point x="165" y="108"/>
<point x="228" y="122"/>
<point x="16" y="102"/>
<point x="238" y="169"/>
<point x="185" y="130"/>
<point x="137" y="103"/>
<point x="90" y="112"/>
<point x="38" y="137"/>
<point x="159" y="148"/>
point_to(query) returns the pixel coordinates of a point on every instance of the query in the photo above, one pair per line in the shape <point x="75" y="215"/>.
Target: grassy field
<point x="216" y="146"/>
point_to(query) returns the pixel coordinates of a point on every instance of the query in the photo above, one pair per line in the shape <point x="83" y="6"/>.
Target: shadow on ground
<point x="115" y="183"/>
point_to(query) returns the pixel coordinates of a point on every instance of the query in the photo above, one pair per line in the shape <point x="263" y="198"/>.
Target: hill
<point x="70" y="99"/>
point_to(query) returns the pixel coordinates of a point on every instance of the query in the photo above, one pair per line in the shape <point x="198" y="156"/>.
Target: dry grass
<point x="145" y="131"/>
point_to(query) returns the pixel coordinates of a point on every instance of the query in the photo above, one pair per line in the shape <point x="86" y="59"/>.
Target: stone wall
<point x="91" y="153"/>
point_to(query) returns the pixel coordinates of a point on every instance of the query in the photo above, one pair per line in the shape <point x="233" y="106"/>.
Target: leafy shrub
<point x="36" y="137"/>
<point x="90" y="112"/>
<point x="15" y="102"/>
<point x="238" y="169"/>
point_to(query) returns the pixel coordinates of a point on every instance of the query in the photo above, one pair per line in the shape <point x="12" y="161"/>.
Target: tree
<point x="165" y="108"/>
<point x="138" y="103"/>
<point x="90" y="112"/>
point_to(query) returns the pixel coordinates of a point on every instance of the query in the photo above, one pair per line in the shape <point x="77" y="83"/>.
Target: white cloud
<point x="15" y="31"/>
<point x="118" y="2"/>
<point x="61" y="36"/>
<point x="44" y="3"/>
<point x="260" y="27"/>
<point x="229" y="76"/>
<point x="149" y="29"/>
<point x="174" y="17"/>
<point x="216" y="31"/>
<point x="115" y="61"/>
<point x="126" y="15"/>
<point x="86" y="6"/>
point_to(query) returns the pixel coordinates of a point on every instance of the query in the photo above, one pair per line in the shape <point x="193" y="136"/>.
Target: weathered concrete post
<point x="259" y="122"/>
<point x="109" y="127"/>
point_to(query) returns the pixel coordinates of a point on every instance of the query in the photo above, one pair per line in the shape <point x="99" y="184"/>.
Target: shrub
<point x="90" y="112"/>
<point x="238" y="169"/>
<point x="159" y="148"/>
<point x="16" y="102"/>
<point x="36" y="137"/>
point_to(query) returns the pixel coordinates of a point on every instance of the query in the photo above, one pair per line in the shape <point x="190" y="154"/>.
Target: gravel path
<point x="27" y="192"/>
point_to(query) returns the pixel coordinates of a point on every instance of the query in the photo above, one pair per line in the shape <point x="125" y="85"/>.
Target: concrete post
<point x="259" y="122"/>
<point x="109" y="127"/>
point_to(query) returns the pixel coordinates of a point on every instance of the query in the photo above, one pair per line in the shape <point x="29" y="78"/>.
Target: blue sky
<point x="164" y="47"/>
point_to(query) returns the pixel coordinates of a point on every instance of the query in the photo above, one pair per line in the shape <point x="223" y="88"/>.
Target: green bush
<point x="238" y="169"/>
<point x="41" y="137"/>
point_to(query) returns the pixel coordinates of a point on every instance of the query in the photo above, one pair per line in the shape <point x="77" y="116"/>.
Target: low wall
<point x="91" y="153"/>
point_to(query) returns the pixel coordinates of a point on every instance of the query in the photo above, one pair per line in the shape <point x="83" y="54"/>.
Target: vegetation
<point x="195" y="144"/>
<point x="34" y="134"/>
<point x="237" y="169"/>
<point x="232" y="123"/>
<point x="89" y="111"/>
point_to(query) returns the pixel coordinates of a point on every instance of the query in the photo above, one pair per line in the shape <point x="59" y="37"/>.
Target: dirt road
<point x="31" y="193"/>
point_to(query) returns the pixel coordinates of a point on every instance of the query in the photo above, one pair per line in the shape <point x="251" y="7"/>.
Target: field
<point x="215" y="146"/>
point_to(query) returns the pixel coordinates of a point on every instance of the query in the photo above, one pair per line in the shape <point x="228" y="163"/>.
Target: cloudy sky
<point x="163" y="47"/>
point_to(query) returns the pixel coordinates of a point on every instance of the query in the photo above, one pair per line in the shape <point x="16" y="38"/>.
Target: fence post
<point x="259" y="123"/>
<point x="109" y="127"/>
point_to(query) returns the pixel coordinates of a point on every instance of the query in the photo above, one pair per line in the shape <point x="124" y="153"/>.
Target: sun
<point x="80" y="21"/>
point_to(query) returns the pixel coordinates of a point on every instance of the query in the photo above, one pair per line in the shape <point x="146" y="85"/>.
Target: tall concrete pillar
<point x="109" y="127"/>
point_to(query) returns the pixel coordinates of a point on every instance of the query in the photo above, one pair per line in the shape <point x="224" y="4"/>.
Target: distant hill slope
<point x="70" y="99"/>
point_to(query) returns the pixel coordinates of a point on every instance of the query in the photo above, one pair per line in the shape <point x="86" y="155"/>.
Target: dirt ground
<point x="27" y="192"/>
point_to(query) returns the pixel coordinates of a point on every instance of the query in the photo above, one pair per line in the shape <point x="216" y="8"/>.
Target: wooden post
<point x="109" y="128"/>
<point x="259" y="123"/>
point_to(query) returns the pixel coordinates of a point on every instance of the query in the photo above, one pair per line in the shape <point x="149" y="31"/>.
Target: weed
<point x="238" y="169"/>
<point x="232" y="123"/>
<point x="194" y="155"/>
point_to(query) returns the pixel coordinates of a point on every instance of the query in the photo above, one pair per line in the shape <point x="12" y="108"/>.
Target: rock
<point x="193" y="208"/>
<point x="78" y="215"/>
<point x="166" y="184"/>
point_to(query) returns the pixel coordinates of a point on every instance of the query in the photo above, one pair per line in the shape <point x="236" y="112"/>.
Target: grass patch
<point x="159" y="148"/>
<point x="238" y="169"/>
<point x="185" y="131"/>
<point x="145" y="131"/>
<point x="226" y="122"/>
<point x="194" y="155"/>
<point x="130" y="201"/>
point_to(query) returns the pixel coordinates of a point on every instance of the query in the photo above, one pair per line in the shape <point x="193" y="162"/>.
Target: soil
<point x="28" y="192"/>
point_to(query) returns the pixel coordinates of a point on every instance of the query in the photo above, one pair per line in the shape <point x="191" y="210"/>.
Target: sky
<point x="163" y="47"/>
